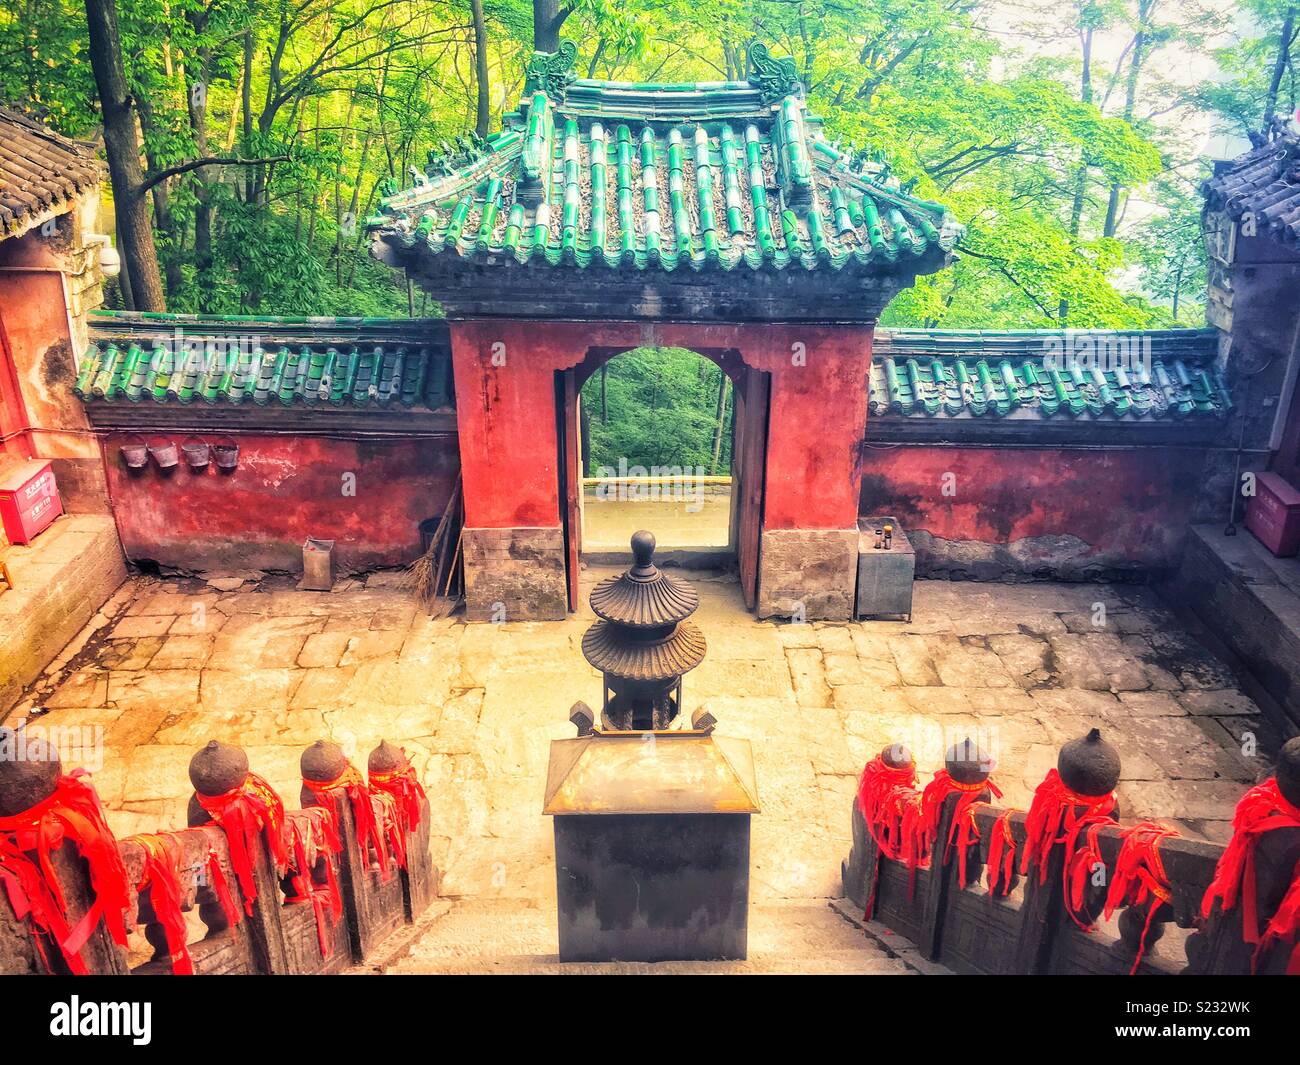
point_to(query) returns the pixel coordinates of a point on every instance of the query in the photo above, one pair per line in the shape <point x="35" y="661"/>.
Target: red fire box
<point x="1274" y="515"/>
<point x="29" y="499"/>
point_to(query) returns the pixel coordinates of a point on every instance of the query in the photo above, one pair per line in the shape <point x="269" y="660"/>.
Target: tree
<point x="309" y="111"/>
<point x="548" y="17"/>
<point x="141" y="282"/>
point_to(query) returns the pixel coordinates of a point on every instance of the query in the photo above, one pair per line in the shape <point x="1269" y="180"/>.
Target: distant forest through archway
<point x="658" y="407"/>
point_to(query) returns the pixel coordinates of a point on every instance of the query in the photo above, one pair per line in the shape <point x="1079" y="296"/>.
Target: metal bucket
<point x="166" y="454"/>
<point x="135" y="455"/>
<point x="317" y="565"/>
<point x="197" y="454"/>
<point x="226" y="455"/>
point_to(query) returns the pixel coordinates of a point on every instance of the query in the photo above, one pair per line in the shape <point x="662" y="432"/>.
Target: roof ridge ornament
<point x="552" y="72"/>
<point x="774" y="78"/>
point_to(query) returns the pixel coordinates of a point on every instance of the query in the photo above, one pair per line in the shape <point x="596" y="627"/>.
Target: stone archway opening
<point x="656" y="437"/>
<point x="700" y="519"/>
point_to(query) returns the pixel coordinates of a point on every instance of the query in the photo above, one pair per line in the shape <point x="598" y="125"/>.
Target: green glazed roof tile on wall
<point x="319" y="376"/>
<point x="710" y="175"/>
<point x="929" y="374"/>
<point x="1158" y="374"/>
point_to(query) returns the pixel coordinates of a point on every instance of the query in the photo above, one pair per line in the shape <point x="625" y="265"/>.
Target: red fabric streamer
<point x="1283" y="927"/>
<point x="962" y="832"/>
<point x="884" y="797"/>
<point x="221" y="888"/>
<point x="364" y="812"/>
<point x="72" y="813"/>
<point x="162" y="876"/>
<point x="312" y="833"/>
<point x="883" y="794"/>
<point x="390" y="818"/>
<point x="245" y="812"/>
<point x="1262" y="809"/>
<point x="1058" y="815"/>
<point x="914" y="852"/>
<point x="1140" y="878"/>
<point x="406" y="788"/>
<point x="1079" y="866"/>
<point x="1002" y="856"/>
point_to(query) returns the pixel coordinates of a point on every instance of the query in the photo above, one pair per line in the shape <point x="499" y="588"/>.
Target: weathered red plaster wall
<point x="506" y="412"/>
<point x="34" y="317"/>
<point x="285" y="489"/>
<point x="1130" y="508"/>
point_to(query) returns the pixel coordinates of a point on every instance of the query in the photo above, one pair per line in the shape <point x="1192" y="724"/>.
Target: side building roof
<point x="41" y="172"/>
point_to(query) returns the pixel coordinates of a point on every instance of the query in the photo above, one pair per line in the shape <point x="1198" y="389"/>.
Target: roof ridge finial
<point x="552" y="72"/>
<point x="774" y="78"/>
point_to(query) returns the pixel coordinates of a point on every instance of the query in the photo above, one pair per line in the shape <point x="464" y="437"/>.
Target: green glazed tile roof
<point x="916" y="375"/>
<point x="1154" y="374"/>
<point x="703" y="175"/>
<point x="338" y="362"/>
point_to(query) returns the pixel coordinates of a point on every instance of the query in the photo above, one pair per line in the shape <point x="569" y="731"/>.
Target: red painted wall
<point x="506" y="412"/>
<point x="1130" y="507"/>
<point x="285" y="489"/>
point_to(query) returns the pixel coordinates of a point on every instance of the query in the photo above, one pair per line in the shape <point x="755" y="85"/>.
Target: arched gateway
<point x="712" y="216"/>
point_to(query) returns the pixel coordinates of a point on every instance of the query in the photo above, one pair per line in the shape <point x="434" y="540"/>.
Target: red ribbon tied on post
<point x="245" y="812"/>
<point x="1262" y="809"/>
<point x="71" y="813"/>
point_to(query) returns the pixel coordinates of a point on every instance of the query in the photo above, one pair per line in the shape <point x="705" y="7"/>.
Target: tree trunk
<point x="196" y="106"/>
<point x="484" y="114"/>
<point x="719" y="421"/>
<point x="162" y="214"/>
<point x="547" y="20"/>
<point x="1130" y="105"/>
<point x="1280" y="66"/>
<point x="1081" y="176"/>
<point x="134" y="234"/>
<point x="246" y="109"/>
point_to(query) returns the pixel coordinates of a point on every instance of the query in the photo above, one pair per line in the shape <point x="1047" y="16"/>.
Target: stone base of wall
<point x="515" y="575"/>
<point x="808" y="572"/>
<point x="60" y="580"/>
<point x="1056" y="557"/>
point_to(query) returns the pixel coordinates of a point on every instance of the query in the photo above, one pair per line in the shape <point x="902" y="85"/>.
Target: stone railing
<point x="351" y="905"/>
<point x="973" y="929"/>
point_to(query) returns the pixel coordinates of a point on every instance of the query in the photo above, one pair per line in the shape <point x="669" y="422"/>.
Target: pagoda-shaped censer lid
<point x="644" y="597"/>
<point x="643" y="633"/>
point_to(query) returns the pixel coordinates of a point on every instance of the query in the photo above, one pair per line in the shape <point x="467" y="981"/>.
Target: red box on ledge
<point x="29" y="499"/>
<point x="1274" y="515"/>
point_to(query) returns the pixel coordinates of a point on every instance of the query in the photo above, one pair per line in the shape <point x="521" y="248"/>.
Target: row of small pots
<point x="167" y="454"/>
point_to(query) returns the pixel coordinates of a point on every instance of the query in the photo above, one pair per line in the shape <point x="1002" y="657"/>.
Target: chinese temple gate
<point x="713" y="217"/>
<point x="609" y="216"/>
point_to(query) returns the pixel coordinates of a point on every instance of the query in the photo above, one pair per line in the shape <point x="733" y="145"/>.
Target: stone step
<point x="507" y="936"/>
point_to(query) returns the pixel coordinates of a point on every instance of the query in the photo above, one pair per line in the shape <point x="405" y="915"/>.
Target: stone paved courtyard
<point x="170" y="664"/>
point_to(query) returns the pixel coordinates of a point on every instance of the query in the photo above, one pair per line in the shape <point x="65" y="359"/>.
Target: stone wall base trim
<point x="1053" y="557"/>
<point x="810" y="573"/>
<point x="515" y="574"/>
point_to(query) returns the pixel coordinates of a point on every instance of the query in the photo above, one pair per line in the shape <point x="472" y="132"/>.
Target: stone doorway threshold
<point x="722" y="559"/>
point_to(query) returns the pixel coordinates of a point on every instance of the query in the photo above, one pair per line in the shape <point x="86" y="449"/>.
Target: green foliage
<point x="1242" y="96"/>
<point x="662" y="406"/>
<point x="354" y="92"/>
<point x="1171" y="254"/>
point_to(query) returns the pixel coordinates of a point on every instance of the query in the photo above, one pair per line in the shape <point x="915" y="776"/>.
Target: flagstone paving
<point x="1021" y="667"/>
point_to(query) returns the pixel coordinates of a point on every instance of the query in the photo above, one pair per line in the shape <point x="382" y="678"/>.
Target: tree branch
<point x="151" y="180"/>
